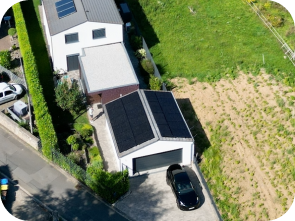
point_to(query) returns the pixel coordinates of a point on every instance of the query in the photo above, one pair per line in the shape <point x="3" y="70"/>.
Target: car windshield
<point x="184" y="187"/>
<point x="12" y="87"/>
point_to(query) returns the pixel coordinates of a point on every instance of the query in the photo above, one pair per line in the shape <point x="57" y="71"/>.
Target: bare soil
<point x="258" y="157"/>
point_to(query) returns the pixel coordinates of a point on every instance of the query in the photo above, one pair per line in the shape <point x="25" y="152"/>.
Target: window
<point x="71" y="38"/>
<point x="1" y="94"/>
<point x="7" y="92"/>
<point x="98" y="33"/>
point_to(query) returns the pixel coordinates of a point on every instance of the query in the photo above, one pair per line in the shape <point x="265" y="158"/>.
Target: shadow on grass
<point x="143" y="24"/>
<point x="40" y="51"/>
<point x="201" y="140"/>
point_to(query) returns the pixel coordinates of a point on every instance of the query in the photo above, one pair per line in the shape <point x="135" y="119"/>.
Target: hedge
<point x="43" y="119"/>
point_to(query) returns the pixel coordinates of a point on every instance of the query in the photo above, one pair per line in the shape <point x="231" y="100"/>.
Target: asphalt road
<point x="47" y="184"/>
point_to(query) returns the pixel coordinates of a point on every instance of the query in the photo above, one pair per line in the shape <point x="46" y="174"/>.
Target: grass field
<point x="250" y="123"/>
<point x="204" y="44"/>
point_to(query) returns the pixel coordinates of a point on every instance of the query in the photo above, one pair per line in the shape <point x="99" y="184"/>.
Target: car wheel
<point x="15" y="98"/>
<point x="167" y="182"/>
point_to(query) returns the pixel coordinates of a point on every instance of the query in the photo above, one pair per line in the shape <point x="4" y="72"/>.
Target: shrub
<point x="86" y="130"/>
<point x="276" y="21"/>
<point x="5" y="59"/>
<point x="12" y="31"/>
<point x="74" y="157"/>
<point x="136" y="42"/>
<point x="93" y="152"/>
<point x="88" y="140"/>
<point x="43" y="119"/>
<point x="147" y="66"/>
<point x="71" y="140"/>
<point x="140" y="54"/>
<point x="155" y="83"/>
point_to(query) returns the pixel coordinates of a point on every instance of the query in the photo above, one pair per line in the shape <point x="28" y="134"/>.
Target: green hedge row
<point x="109" y="186"/>
<point x="44" y="121"/>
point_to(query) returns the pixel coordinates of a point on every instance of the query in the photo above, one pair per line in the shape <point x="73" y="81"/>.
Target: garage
<point x="157" y="160"/>
<point x="148" y="131"/>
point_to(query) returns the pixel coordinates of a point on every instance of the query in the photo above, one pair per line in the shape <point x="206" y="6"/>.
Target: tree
<point x="5" y="59"/>
<point x="69" y="97"/>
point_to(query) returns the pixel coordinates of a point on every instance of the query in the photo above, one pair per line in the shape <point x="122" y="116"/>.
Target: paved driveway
<point x="152" y="199"/>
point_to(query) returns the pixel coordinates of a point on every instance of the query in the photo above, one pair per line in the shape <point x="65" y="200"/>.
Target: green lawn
<point x="220" y="35"/>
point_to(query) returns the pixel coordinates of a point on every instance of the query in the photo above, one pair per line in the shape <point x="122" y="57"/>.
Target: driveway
<point x="152" y="199"/>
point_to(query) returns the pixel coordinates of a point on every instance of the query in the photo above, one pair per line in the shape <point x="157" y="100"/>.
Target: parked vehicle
<point x="182" y="188"/>
<point x="9" y="92"/>
<point x="4" y="188"/>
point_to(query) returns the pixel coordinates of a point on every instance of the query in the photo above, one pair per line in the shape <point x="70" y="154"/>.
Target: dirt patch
<point x="258" y="155"/>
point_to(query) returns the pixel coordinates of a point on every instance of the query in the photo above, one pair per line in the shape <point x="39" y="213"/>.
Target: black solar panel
<point x="65" y="7"/>
<point x="167" y="114"/>
<point x="129" y="122"/>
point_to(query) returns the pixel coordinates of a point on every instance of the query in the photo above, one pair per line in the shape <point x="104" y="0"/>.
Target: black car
<point x="186" y="196"/>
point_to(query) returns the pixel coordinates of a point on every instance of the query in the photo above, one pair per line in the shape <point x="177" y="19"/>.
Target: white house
<point x="71" y="25"/>
<point x="148" y="131"/>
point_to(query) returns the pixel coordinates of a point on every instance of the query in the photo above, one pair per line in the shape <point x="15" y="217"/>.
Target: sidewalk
<point x="54" y="188"/>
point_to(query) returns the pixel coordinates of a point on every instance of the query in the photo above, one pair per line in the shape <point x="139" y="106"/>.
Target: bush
<point x="71" y="140"/>
<point x="93" y="152"/>
<point x="88" y="140"/>
<point x="85" y="130"/>
<point x="147" y="66"/>
<point x="155" y="83"/>
<point x="5" y="59"/>
<point x="12" y="31"/>
<point x="136" y="42"/>
<point x="276" y="21"/>
<point x="43" y="119"/>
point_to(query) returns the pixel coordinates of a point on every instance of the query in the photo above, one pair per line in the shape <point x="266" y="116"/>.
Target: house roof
<point x="107" y="67"/>
<point x="104" y="11"/>
<point x="144" y="117"/>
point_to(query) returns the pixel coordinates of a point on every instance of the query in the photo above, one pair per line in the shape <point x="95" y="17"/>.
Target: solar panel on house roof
<point x="65" y="7"/>
<point x="129" y="122"/>
<point x="167" y="114"/>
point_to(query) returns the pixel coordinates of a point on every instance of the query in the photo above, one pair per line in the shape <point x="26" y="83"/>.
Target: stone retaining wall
<point x="20" y="132"/>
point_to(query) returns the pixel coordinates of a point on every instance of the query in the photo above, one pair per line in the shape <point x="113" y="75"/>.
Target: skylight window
<point x="65" y="8"/>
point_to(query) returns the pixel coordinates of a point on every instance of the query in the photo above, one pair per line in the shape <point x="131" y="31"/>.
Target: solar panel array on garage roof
<point x="65" y="7"/>
<point x="129" y="122"/>
<point x="167" y="115"/>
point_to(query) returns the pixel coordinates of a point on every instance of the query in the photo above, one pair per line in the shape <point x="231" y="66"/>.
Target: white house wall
<point x="48" y="37"/>
<point x="114" y="34"/>
<point x="159" y="147"/>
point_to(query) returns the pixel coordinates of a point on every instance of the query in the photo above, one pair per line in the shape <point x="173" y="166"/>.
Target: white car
<point x="9" y="92"/>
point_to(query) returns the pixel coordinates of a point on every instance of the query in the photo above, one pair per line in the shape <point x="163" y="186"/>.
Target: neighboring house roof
<point x="107" y="67"/>
<point x="104" y="11"/>
<point x="144" y="117"/>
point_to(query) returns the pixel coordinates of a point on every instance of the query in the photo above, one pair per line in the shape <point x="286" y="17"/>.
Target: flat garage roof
<point x="107" y="67"/>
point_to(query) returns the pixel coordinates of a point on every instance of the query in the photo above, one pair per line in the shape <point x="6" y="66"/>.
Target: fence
<point x="110" y="194"/>
<point x="12" y="76"/>
<point x="287" y="50"/>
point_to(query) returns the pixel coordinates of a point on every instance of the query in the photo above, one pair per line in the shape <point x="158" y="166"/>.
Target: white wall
<point x="59" y="49"/>
<point x="159" y="147"/>
<point x="48" y="37"/>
